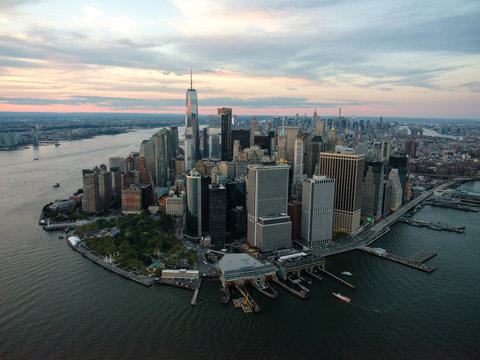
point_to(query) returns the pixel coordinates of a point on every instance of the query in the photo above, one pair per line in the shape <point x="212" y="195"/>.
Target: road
<point x="382" y="227"/>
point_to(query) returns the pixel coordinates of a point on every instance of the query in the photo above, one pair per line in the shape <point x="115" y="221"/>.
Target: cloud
<point x="121" y="103"/>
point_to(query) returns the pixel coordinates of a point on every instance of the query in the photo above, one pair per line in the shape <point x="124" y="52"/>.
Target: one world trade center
<point x="192" y="132"/>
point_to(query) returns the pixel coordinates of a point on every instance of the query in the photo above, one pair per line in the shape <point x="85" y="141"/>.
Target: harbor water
<point x="56" y="304"/>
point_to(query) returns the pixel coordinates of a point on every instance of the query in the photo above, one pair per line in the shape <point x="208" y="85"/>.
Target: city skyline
<point x="275" y="58"/>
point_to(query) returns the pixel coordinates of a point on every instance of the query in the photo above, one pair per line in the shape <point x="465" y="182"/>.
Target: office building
<point x="188" y="156"/>
<point x="315" y="147"/>
<point x="254" y="130"/>
<point x="91" y="193"/>
<point x="292" y="135"/>
<point x="397" y="192"/>
<point x="347" y="170"/>
<point x="399" y="161"/>
<point x="218" y="215"/>
<point x="192" y="131"/>
<point x="243" y="136"/>
<point x="268" y="225"/>
<point x="105" y="188"/>
<point x="161" y="140"/>
<point x="294" y="211"/>
<point x="372" y="198"/>
<point x="318" y="196"/>
<point x="282" y="144"/>
<point x="385" y="151"/>
<point x="194" y="198"/>
<point x="147" y="150"/>
<point x="411" y="149"/>
<point x="297" y="163"/>
<point x="226" y="133"/>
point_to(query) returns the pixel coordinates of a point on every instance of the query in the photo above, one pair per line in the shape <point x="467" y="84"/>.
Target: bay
<point x="56" y="304"/>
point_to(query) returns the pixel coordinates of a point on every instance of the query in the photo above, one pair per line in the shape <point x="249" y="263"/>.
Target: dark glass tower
<point x="226" y="133"/>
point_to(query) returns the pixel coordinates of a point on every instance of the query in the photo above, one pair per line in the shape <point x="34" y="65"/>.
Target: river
<point x="55" y="304"/>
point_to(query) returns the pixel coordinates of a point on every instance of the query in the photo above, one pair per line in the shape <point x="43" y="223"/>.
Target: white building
<point x="318" y="195"/>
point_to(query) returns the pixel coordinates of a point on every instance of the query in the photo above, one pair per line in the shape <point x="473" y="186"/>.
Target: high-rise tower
<point x="268" y="225"/>
<point x="191" y="120"/>
<point x="347" y="170"/>
<point x="226" y="133"/>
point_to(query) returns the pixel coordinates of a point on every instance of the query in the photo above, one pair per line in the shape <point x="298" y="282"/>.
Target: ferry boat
<point x="348" y="273"/>
<point x="56" y="185"/>
<point x="341" y="297"/>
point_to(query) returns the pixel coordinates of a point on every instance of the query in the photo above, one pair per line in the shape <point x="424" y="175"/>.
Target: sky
<point x="370" y="58"/>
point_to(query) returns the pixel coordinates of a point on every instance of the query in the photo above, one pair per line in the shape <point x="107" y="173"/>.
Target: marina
<point x="415" y="261"/>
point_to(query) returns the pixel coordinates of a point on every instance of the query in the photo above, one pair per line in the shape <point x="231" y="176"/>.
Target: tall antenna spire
<point x="191" y="79"/>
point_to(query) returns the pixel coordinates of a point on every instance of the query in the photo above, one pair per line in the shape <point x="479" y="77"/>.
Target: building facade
<point x="318" y="196"/>
<point x="268" y="225"/>
<point x="347" y="170"/>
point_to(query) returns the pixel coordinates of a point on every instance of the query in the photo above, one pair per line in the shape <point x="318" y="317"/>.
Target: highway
<point x="382" y="227"/>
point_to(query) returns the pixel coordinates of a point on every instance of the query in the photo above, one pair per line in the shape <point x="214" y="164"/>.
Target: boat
<point x="341" y="297"/>
<point x="346" y="273"/>
<point x="56" y="185"/>
<point x="35" y="158"/>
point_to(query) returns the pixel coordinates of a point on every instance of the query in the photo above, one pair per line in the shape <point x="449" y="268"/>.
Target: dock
<point x="251" y="303"/>
<point x="451" y="205"/>
<point x="341" y="281"/>
<point x="193" y="302"/>
<point x="430" y="225"/>
<point x="302" y="294"/>
<point x="415" y="261"/>
<point x="112" y="268"/>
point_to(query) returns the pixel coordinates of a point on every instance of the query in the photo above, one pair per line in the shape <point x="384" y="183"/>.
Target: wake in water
<point x="389" y="309"/>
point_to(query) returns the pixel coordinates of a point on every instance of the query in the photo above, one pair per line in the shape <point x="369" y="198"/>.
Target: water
<point x="56" y="304"/>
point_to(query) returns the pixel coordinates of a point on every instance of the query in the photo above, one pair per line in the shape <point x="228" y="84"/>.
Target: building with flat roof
<point x="268" y="226"/>
<point x="318" y="196"/>
<point x="347" y="170"/>
<point x="295" y="263"/>
<point x="242" y="268"/>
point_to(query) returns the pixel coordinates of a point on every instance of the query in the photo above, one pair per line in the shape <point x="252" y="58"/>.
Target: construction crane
<point x="246" y="299"/>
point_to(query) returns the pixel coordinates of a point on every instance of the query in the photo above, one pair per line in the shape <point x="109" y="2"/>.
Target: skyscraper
<point x="91" y="193"/>
<point x="386" y="151"/>
<point x="397" y="193"/>
<point x="297" y="163"/>
<point x="194" y="198"/>
<point x="218" y="214"/>
<point x="315" y="147"/>
<point x="188" y="155"/>
<point x="161" y="140"/>
<point x="191" y="120"/>
<point x="347" y="170"/>
<point x="372" y="198"/>
<point x="147" y="150"/>
<point x="268" y="225"/>
<point x="282" y="144"/>
<point x="318" y="195"/>
<point x="253" y="130"/>
<point x="292" y="134"/>
<point x="226" y="133"/>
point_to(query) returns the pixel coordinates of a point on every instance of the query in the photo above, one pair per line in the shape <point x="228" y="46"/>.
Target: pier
<point x="300" y="293"/>
<point x="193" y="302"/>
<point x="415" y="261"/>
<point x="430" y="225"/>
<point x="341" y="281"/>
<point x="253" y="305"/>
<point x="451" y="205"/>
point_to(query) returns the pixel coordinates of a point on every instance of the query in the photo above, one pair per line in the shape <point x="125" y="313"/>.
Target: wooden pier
<point x="430" y="225"/>
<point x="341" y="281"/>
<point x="415" y="261"/>
<point x="193" y="302"/>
